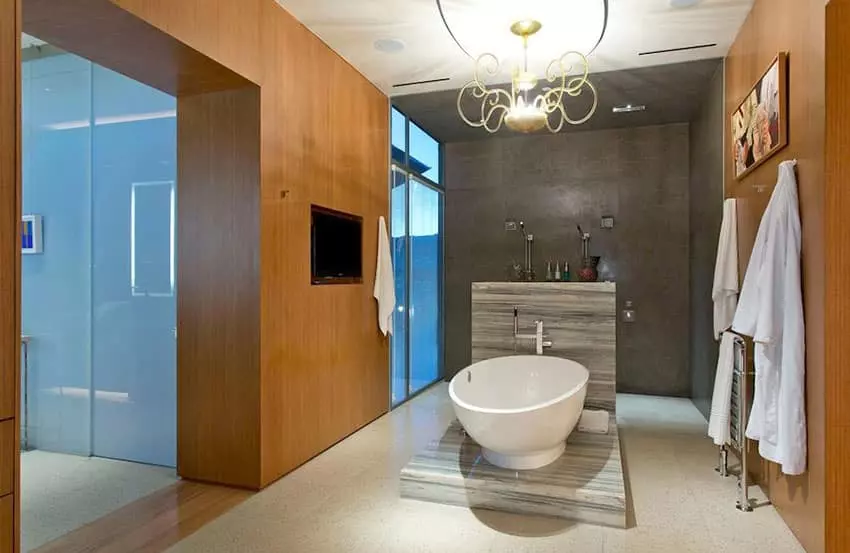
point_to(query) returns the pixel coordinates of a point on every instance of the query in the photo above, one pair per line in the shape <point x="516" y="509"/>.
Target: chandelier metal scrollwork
<point x="517" y="108"/>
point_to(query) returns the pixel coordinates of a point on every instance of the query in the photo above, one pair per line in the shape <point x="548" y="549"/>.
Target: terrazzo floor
<point x="347" y="499"/>
<point x="60" y="493"/>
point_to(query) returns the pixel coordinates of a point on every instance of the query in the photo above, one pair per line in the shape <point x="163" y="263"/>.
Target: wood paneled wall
<point x="837" y="213"/>
<point x="795" y="26"/>
<point x="325" y="367"/>
<point x="103" y="32"/>
<point x="271" y="370"/>
<point x="10" y="260"/>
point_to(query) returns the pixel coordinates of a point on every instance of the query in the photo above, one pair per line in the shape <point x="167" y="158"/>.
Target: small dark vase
<point x="588" y="271"/>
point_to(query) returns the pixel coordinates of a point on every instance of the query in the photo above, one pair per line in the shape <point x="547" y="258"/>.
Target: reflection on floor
<point x="151" y="524"/>
<point x="60" y="493"/>
<point x="347" y="499"/>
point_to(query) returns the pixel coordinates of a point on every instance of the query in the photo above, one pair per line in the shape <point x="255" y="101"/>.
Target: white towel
<point x="593" y="421"/>
<point x="721" y="400"/>
<point x="384" y="280"/>
<point x="724" y="293"/>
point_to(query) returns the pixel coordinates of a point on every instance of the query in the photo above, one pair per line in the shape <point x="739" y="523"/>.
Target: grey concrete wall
<point x="706" y="212"/>
<point x="553" y="182"/>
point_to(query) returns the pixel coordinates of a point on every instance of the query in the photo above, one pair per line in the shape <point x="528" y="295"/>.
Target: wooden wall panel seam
<point x="837" y="238"/>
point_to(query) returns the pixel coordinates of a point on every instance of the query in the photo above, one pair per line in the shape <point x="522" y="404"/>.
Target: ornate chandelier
<point x="518" y="109"/>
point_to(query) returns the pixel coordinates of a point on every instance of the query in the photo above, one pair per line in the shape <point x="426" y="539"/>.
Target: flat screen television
<point x="336" y="241"/>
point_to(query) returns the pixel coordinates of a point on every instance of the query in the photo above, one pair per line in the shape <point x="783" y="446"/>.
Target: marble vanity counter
<point x="580" y="318"/>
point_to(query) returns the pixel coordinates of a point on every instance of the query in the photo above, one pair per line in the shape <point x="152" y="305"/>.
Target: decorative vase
<point x="588" y="271"/>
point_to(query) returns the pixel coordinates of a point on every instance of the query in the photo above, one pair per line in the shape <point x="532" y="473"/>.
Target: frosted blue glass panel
<point x="56" y="285"/>
<point x="424" y="153"/>
<point x="99" y="165"/>
<point x="134" y="346"/>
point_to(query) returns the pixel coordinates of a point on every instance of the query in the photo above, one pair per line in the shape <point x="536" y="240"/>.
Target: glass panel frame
<point x="399" y="368"/>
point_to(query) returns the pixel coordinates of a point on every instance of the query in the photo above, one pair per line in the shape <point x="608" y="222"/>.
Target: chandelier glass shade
<point x="519" y="108"/>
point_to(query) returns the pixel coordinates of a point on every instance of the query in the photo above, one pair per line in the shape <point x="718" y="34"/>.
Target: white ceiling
<point x="351" y="28"/>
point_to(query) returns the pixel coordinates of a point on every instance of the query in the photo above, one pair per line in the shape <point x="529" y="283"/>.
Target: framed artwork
<point x="760" y="123"/>
<point x="31" y="231"/>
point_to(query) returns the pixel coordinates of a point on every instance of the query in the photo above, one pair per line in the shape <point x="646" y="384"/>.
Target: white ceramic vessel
<point x="520" y="409"/>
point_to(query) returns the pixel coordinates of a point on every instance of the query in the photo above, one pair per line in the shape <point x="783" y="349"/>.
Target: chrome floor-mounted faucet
<point x="541" y="340"/>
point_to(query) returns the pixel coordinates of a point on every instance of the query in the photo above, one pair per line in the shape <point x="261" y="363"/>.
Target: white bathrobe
<point x="770" y="309"/>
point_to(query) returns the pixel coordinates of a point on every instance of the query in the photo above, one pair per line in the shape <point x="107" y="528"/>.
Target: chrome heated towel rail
<point x="738" y="422"/>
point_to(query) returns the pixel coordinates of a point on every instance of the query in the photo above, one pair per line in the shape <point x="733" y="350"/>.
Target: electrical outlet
<point x="629" y="314"/>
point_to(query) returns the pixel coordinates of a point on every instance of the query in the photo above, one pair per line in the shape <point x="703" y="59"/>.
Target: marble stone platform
<point x="580" y="319"/>
<point x="586" y="484"/>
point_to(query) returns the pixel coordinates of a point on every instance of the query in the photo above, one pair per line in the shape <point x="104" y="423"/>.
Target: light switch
<point x="607" y="222"/>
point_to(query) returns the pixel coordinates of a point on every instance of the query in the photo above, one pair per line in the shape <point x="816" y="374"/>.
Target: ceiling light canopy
<point x="520" y="109"/>
<point x="484" y="27"/>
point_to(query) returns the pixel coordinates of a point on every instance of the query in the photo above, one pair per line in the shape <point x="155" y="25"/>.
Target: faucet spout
<point x="540" y="339"/>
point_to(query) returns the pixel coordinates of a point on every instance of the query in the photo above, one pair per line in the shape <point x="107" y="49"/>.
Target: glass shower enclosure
<point x="98" y="301"/>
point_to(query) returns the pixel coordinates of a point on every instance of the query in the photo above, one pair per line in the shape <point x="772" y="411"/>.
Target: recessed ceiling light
<point x="389" y="45"/>
<point x="684" y="3"/>
<point x="628" y="108"/>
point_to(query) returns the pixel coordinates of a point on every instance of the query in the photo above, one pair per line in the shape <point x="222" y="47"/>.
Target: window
<point x="424" y="154"/>
<point x="417" y="241"/>
<point x="399" y="137"/>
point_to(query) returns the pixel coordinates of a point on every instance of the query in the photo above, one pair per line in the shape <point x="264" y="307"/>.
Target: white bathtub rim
<point x="517" y="410"/>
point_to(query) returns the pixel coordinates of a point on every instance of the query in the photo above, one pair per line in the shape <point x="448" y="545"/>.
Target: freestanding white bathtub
<point x="520" y="409"/>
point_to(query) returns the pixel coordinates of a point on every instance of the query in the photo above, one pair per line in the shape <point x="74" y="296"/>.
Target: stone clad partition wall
<point x="579" y="318"/>
<point x="586" y="483"/>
